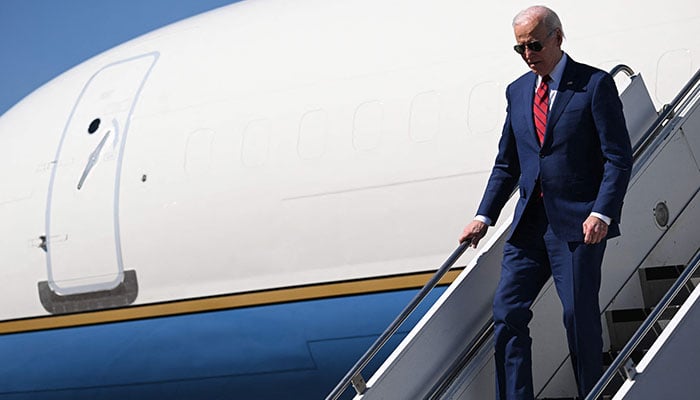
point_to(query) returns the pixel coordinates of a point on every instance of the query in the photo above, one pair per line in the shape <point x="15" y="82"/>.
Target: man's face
<point x="540" y="62"/>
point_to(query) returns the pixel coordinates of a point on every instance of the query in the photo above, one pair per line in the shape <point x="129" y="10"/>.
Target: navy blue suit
<point x="583" y="166"/>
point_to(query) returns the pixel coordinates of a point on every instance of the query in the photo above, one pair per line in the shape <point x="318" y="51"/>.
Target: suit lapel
<point x="528" y="98"/>
<point x="565" y="91"/>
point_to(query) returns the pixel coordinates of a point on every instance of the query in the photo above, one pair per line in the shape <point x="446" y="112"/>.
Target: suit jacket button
<point x="541" y="155"/>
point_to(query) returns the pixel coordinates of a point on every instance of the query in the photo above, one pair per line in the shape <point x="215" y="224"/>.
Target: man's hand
<point x="474" y="232"/>
<point x="594" y="230"/>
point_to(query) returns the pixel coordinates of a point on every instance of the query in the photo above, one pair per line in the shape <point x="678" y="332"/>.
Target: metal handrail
<point x="642" y="145"/>
<point x="620" y="361"/>
<point x="354" y="375"/>
<point x="487" y="330"/>
<point x="444" y="383"/>
<point x="666" y="113"/>
<point x="622" y="68"/>
<point x="651" y="320"/>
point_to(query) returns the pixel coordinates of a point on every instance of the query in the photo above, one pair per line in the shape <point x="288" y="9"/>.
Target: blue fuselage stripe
<point x="298" y="349"/>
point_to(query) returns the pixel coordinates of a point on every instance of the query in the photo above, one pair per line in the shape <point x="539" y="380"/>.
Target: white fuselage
<point x="259" y="154"/>
<point x="273" y="144"/>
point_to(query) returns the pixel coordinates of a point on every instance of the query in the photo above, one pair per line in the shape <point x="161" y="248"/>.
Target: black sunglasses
<point x="533" y="46"/>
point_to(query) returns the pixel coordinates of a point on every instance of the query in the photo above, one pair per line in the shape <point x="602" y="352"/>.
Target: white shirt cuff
<point x="483" y="219"/>
<point x="602" y="217"/>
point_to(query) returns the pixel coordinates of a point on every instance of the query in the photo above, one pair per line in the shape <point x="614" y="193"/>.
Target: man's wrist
<point x="602" y="217"/>
<point x="484" y="219"/>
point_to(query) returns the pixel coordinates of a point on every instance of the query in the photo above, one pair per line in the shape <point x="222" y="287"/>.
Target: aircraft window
<point x="484" y="108"/>
<point x="367" y="125"/>
<point x="256" y="143"/>
<point x="674" y="68"/>
<point x="313" y="130"/>
<point x="425" y="117"/>
<point x="94" y="125"/>
<point x="198" y="151"/>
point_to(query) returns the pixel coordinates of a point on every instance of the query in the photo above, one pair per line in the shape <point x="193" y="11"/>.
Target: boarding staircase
<point x="648" y="295"/>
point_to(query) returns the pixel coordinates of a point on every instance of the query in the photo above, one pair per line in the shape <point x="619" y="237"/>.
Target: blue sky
<point x="40" y="39"/>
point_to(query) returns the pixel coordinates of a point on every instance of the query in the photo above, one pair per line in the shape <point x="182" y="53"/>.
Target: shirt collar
<point x="556" y="74"/>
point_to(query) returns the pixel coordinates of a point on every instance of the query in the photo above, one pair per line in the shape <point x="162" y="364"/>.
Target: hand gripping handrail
<point x="354" y="376"/>
<point x="620" y="361"/>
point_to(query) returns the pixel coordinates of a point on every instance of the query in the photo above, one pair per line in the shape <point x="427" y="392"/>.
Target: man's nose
<point x="528" y="52"/>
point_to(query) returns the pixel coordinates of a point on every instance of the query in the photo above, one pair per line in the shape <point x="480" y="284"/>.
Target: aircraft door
<point x="82" y="216"/>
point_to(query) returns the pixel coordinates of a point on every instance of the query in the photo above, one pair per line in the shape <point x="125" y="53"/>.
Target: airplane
<point x="237" y="204"/>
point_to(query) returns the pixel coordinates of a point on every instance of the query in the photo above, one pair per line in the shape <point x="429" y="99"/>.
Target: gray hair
<point x="546" y="15"/>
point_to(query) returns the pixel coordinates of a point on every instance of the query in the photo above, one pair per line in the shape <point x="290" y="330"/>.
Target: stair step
<point x="656" y="281"/>
<point x="622" y="324"/>
<point x="609" y="356"/>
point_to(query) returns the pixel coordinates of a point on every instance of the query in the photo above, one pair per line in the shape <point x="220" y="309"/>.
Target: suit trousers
<point x="531" y="256"/>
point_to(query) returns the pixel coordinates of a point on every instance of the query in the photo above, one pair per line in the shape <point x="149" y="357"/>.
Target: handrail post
<point x="358" y="382"/>
<point x="354" y="375"/>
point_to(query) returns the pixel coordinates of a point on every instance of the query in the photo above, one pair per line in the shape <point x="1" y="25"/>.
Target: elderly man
<point x="565" y="144"/>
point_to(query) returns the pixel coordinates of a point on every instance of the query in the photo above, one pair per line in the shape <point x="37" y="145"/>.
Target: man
<point x="565" y="144"/>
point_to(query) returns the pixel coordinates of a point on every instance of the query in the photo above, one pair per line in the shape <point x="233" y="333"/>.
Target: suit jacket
<point x="585" y="162"/>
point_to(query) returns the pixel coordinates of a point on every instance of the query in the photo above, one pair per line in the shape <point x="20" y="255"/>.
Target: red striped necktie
<point x="541" y="107"/>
